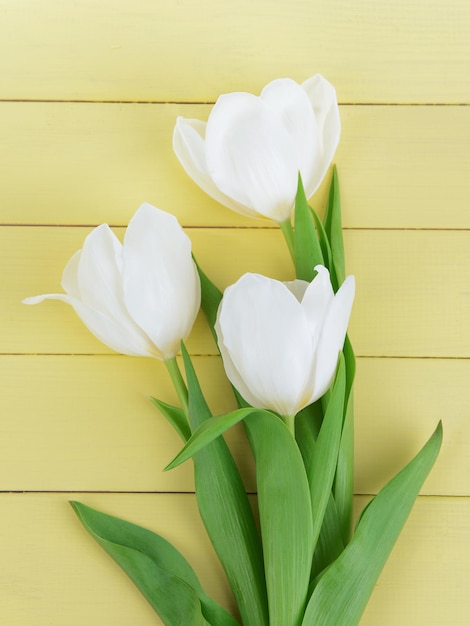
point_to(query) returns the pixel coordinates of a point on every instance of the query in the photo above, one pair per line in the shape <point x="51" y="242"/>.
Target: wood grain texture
<point x="88" y="99"/>
<point x="412" y="295"/>
<point x="372" y="50"/>
<point x="399" y="167"/>
<point x="82" y="585"/>
<point x="85" y="423"/>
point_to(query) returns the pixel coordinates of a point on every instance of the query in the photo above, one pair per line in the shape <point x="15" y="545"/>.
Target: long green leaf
<point x="344" y="479"/>
<point x="344" y="589"/>
<point x="226" y="513"/>
<point x="175" y="416"/>
<point x="209" y="430"/>
<point x="160" y="572"/>
<point x="333" y="229"/>
<point x="210" y="299"/>
<point x="330" y="542"/>
<point x="308" y="252"/>
<point x="286" y="517"/>
<point x="324" y="245"/>
<point x="321" y="471"/>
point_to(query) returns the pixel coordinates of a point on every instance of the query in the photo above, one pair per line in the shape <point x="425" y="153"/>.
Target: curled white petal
<point x="161" y="285"/>
<point x="189" y="147"/>
<point x="250" y="155"/>
<point x="105" y="329"/>
<point x="332" y="336"/>
<point x="322" y="96"/>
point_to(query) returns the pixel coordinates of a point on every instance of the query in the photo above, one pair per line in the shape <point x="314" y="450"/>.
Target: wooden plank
<point x="374" y="51"/>
<point x="400" y="167"/>
<point x="85" y="423"/>
<point x="54" y="573"/>
<point x="412" y="293"/>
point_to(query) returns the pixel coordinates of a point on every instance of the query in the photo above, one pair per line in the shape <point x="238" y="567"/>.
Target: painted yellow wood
<point x="373" y="50"/>
<point x="75" y="417"/>
<point x="85" y="423"/>
<point x="69" y="163"/>
<point x="54" y="573"/>
<point x="412" y="293"/>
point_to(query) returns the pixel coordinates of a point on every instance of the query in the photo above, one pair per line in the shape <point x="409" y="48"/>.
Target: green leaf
<point x="344" y="589"/>
<point x="308" y="252"/>
<point x="344" y="479"/>
<point x="333" y="229"/>
<point x="285" y="514"/>
<point x="175" y="416"/>
<point x="160" y="572"/>
<point x="210" y="299"/>
<point x="307" y="426"/>
<point x="330" y="541"/>
<point x="226" y="513"/>
<point x="209" y="430"/>
<point x="325" y="247"/>
<point x="321" y="471"/>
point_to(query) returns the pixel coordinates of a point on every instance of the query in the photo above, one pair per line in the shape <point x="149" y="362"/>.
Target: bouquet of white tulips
<point x="286" y="353"/>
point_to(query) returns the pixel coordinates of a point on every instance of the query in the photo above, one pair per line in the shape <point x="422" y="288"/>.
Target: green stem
<point x="178" y="382"/>
<point x="289" y="421"/>
<point x="288" y="233"/>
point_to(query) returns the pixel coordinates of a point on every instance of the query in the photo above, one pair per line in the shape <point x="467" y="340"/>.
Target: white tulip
<point x="141" y="297"/>
<point x="249" y="153"/>
<point x="280" y="342"/>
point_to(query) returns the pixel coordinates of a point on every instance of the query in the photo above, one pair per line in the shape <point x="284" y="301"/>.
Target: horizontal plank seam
<point x="211" y="355"/>
<point x="246" y="228"/>
<point x="212" y="102"/>
<point x="177" y="493"/>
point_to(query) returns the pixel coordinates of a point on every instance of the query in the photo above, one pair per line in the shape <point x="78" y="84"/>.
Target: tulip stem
<point x="178" y="382"/>
<point x="288" y="233"/>
<point x="289" y="421"/>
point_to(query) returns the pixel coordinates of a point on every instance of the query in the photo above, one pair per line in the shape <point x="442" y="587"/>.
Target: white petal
<point x="323" y="99"/>
<point x="100" y="280"/>
<point x="263" y="330"/>
<point x="317" y="300"/>
<point x="250" y="155"/>
<point x="104" y="328"/>
<point x="99" y="273"/>
<point x="332" y="336"/>
<point x="297" y="288"/>
<point x="161" y="285"/>
<point x="292" y="104"/>
<point x="189" y="147"/>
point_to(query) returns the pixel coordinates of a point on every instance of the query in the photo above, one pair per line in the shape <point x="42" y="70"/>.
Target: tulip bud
<point x="280" y="341"/>
<point x="249" y="153"/>
<point x="141" y="297"/>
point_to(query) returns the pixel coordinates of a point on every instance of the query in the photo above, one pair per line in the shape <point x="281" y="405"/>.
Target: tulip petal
<point x="317" y="300"/>
<point x="99" y="272"/>
<point x="292" y="105"/>
<point x="100" y="280"/>
<point x="189" y="147"/>
<point x="263" y="331"/>
<point x="297" y="287"/>
<point x="104" y="328"/>
<point x="161" y="286"/>
<point x="323" y="99"/>
<point x="332" y="336"/>
<point x="251" y="156"/>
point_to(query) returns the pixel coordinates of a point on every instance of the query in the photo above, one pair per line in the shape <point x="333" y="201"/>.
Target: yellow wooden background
<point x="89" y="93"/>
